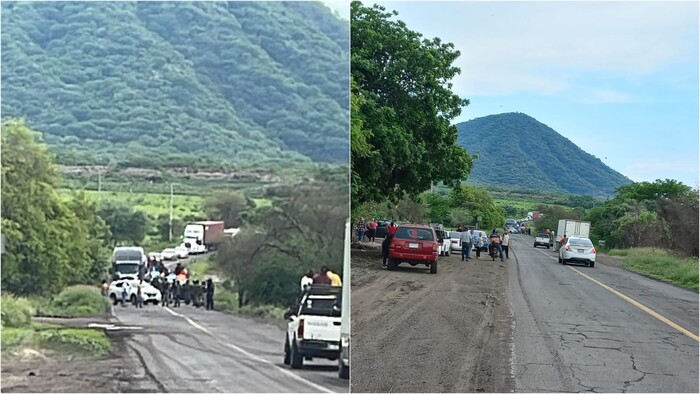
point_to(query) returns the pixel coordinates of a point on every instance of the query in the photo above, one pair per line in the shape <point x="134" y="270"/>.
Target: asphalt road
<point x="194" y="350"/>
<point x="572" y="334"/>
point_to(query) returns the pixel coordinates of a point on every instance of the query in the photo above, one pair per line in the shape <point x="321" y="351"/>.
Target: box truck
<point x="571" y="228"/>
<point x="201" y="237"/>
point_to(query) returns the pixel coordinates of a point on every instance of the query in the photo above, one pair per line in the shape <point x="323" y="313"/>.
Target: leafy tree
<point x="438" y="208"/>
<point x="402" y="107"/>
<point x="228" y="207"/>
<point x="478" y="202"/>
<point x="49" y="243"/>
<point x="163" y="227"/>
<point x="126" y="224"/>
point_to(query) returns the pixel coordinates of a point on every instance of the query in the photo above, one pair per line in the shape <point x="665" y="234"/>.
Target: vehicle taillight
<point x="593" y="250"/>
<point x="300" y="329"/>
<point x="435" y="247"/>
<point x="568" y="248"/>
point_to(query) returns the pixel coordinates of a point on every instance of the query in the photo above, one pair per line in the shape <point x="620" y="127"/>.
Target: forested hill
<point x="236" y="81"/>
<point x="516" y="151"/>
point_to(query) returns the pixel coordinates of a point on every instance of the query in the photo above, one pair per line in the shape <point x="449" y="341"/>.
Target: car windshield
<point x="321" y="306"/>
<point x="419" y="234"/>
<point x="127" y="268"/>
<point x="580" y="242"/>
<point x="455" y="234"/>
<point x="131" y="255"/>
<point x="166" y="251"/>
<point x="542" y="235"/>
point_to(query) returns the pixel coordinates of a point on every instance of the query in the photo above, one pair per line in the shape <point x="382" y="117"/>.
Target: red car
<point x="414" y="244"/>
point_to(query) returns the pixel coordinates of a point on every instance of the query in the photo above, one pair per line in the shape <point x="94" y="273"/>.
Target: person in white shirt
<point x="505" y="243"/>
<point x="307" y="280"/>
<point x="466" y="238"/>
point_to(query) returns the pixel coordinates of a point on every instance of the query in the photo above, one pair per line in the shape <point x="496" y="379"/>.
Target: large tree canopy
<point x="402" y="107"/>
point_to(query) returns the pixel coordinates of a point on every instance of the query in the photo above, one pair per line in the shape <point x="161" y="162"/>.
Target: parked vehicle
<point x="510" y="223"/>
<point x="444" y="244"/>
<point x="149" y="292"/>
<point x="169" y="254"/>
<point x="128" y="261"/>
<point x="314" y="328"/>
<point x="201" y="237"/>
<point x="381" y="228"/>
<point x="414" y="244"/>
<point x="182" y="252"/>
<point x="542" y="239"/>
<point x="455" y="241"/>
<point x="344" y="359"/>
<point x="571" y="228"/>
<point x="578" y="249"/>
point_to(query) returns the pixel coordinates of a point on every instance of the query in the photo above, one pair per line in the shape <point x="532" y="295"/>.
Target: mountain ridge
<point x="518" y="151"/>
<point x="239" y="82"/>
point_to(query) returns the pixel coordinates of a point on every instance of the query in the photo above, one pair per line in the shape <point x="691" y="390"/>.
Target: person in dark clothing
<point x="176" y="293"/>
<point x="391" y="230"/>
<point x="210" y="294"/>
<point x="322" y="278"/>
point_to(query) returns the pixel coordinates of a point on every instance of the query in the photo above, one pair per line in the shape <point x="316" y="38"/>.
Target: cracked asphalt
<point x="573" y="335"/>
<point x="195" y="350"/>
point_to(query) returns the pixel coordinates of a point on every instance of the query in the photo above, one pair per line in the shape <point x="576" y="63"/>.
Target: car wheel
<point x="592" y="264"/>
<point x="132" y="299"/>
<point x="534" y="245"/>
<point x="560" y="261"/>
<point x="547" y="246"/>
<point x="297" y="359"/>
<point x="433" y="267"/>
<point x="448" y="253"/>
<point x="287" y="358"/>
<point x="114" y="299"/>
<point x="391" y="264"/>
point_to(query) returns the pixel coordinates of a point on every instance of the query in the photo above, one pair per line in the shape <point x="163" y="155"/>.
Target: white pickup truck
<point x="542" y="239"/>
<point x="314" y="327"/>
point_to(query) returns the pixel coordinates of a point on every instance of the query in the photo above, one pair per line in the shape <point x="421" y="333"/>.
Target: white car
<point x="182" y="252"/>
<point x="542" y="239"/>
<point x="444" y="244"/>
<point x="149" y="292"/>
<point x="455" y="241"/>
<point x="579" y="250"/>
<point x="169" y="254"/>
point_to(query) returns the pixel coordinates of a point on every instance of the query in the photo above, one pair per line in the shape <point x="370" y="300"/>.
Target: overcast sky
<point x="619" y="79"/>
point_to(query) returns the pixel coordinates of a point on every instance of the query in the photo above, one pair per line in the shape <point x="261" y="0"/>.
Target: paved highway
<point x="194" y="350"/>
<point x="599" y="329"/>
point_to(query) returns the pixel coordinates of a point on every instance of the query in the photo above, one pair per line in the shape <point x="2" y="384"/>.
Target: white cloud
<point x="340" y="6"/>
<point x="546" y="47"/>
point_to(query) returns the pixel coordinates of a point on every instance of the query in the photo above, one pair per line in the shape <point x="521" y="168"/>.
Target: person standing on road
<point x="496" y="241"/>
<point x="361" y="229"/>
<point x="125" y="292"/>
<point x="103" y="288"/>
<point x="210" y="294"/>
<point x="390" y="231"/>
<point x="466" y="239"/>
<point x="505" y="243"/>
<point x="479" y="243"/>
<point x="372" y="231"/>
<point x="139" y="294"/>
<point x="175" y="293"/>
<point x="307" y="280"/>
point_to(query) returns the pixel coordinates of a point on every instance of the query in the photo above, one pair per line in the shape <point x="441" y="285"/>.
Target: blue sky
<point x="619" y="79"/>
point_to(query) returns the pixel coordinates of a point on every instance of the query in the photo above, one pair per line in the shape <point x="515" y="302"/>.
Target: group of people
<point x="369" y="230"/>
<point x="474" y="239"/>
<point x="324" y="277"/>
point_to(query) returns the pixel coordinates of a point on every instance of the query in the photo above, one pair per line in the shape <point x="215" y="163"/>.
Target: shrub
<point x="86" y="340"/>
<point x="80" y="300"/>
<point x="16" y="311"/>
<point x="225" y="300"/>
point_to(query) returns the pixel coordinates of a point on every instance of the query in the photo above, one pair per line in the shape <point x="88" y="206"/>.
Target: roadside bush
<point x="264" y="311"/>
<point x="91" y="341"/>
<point x="661" y="264"/>
<point x="80" y="300"/>
<point x="225" y="300"/>
<point x="16" y="311"/>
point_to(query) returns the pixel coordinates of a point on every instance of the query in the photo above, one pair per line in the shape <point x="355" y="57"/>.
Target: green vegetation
<point x="190" y="84"/>
<point x="660" y="214"/>
<point x="518" y="152"/>
<point x="402" y="107"/>
<point x="661" y="264"/>
<point x="16" y="311"/>
<point x="68" y="341"/>
<point x="75" y="301"/>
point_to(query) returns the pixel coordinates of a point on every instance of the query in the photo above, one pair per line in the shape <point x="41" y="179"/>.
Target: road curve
<point x="194" y="350"/>
<point x="572" y="334"/>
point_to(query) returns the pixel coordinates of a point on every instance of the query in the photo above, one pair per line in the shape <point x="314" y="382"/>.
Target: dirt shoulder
<point x="43" y="371"/>
<point x="417" y="332"/>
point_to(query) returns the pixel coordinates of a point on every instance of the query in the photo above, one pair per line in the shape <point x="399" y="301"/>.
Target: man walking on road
<point x="505" y="242"/>
<point x="466" y="238"/>
<point x="390" y="231"/>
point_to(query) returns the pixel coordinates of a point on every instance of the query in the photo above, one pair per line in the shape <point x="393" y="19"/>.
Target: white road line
<point x="253" y="356"/>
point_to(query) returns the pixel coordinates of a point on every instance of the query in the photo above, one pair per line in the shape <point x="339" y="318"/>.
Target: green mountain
<point x="241" y="82"/>
<point x="516" y="151"/>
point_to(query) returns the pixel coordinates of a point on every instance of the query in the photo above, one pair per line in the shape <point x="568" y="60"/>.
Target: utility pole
<point x="170" y="236"/>
<point x="99" y="186"/>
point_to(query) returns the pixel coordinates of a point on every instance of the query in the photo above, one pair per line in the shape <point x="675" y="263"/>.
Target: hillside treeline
<point x="242" y="82"/>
